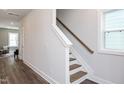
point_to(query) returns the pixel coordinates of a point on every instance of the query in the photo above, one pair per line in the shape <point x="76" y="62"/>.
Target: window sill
<point x="111" y="52"/>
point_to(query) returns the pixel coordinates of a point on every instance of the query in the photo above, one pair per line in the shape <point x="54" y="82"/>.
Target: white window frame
<point x="101" y="31"/>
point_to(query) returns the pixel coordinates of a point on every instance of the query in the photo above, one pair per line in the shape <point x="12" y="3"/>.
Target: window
<point x="13" y="39"/>
<point x="113" y="30"/>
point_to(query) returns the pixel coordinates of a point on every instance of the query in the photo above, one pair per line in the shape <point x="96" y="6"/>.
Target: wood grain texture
<point x="74" y="66"/>
<point x="72" y="59"/>
<point x="16" y="72"/>
<point x="77" y="76"/>
<point x="87" y="81"/>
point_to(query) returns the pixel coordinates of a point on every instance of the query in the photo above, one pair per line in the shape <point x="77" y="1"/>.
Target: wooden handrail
<point x="91" y="51"/>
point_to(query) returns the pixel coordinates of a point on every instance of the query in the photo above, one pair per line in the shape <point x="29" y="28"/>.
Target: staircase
<point x="78" y="73"/>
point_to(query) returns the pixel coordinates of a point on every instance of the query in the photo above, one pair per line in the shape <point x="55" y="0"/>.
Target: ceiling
<point x="11" y="17"/>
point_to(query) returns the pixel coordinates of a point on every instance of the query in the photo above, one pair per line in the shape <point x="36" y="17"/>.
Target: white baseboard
<point x="99" y="80"/>
<point x="41" y="73"/>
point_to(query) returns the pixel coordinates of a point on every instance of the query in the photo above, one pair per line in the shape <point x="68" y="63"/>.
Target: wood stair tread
<point x="77" y="76"/>
<point x="87" y="81"/>
<point x="74" y="66"/>
<point x="72" y="59"/>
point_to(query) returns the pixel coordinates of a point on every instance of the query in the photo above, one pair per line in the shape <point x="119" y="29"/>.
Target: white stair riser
<point x="75" y="70"/>
<point x="74" y="62"/>
<point x="72" y="56"/>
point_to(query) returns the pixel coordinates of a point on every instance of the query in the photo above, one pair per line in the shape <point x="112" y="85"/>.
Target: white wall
<point x="42" y="48"/>
<point x="84" y="23"/>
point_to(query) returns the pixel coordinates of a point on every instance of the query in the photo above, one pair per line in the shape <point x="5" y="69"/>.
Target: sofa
<point x="4" y="50"/>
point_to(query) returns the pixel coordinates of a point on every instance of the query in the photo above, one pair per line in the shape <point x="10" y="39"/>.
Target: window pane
<point x="13" y="39"/>
<point x="114" y="20"/>
<point x="114" y="40"/>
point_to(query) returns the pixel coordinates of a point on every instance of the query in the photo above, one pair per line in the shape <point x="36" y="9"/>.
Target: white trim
<point x="67" y="76"/>
<point x="54" y="16"/>
<point x="42" y="74"/>
<point x="82" y="61"/>
<point x="65" y="41"/>
<point x="114" y="30"/>
<point x="99" y="80"/>
<point x="111" y="52"/>
<point x="100" y="41"/>
<point x="76" y="70"/>
<point x="73" y="62"/>
<point x="100" y="30"/>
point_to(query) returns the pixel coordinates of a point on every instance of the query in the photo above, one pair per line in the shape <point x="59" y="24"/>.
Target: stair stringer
<point x="81" y="61"/>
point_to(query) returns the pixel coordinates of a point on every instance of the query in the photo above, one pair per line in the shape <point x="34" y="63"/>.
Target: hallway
<point x="12" y="72"/>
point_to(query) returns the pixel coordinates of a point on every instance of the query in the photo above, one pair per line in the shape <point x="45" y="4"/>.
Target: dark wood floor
<point x="87" y="81"/>
<point x="12" y="72"/>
